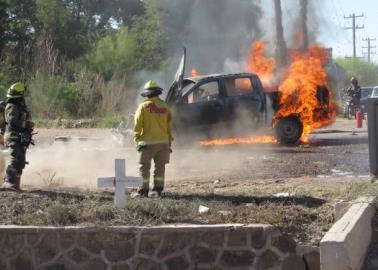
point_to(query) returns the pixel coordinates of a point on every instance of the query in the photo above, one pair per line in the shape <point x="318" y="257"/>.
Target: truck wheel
<point x="288" y="130"/>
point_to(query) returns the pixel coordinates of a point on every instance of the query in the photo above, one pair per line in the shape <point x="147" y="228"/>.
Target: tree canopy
<point x="365" y="72"/>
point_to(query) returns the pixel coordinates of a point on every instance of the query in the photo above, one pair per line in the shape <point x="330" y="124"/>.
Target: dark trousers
<point x="16" y="163"/>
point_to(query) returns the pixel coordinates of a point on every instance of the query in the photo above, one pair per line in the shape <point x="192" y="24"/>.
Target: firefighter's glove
<point x="140" y="147"/>
<point x="26" y="138"/>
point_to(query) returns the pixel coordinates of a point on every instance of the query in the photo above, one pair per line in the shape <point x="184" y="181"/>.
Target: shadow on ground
<point x="338" y="142"/>
<point x="237" y="200"/>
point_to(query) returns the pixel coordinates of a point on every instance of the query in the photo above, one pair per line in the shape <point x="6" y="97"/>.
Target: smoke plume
<point x="212" y="30"/>
<point x="281" y="48"/>
<point x="303" y="23"/>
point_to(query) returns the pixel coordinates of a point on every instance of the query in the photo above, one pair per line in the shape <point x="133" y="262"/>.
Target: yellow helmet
<point x="151" y="85"/>
<point x="151" y="88"/>
<point x="16" y="90"/>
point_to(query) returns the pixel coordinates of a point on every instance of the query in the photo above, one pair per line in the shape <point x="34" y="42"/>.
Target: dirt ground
<point x="293" y="188"/>
<point x="337" y="151"/>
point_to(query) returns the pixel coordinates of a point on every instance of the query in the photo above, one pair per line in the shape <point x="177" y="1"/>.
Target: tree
<point x="150" y="37"/>
<point x="113" y="54"/>
<point x="125" y="51"/>
<point x="74" y="25"/>
<point x="365" y="72"/>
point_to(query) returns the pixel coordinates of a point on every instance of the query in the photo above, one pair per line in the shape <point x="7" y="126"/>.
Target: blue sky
<point x="332" y="32"/>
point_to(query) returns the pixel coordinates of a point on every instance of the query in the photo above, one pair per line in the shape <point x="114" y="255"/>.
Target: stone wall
<point x="167" y="248"/>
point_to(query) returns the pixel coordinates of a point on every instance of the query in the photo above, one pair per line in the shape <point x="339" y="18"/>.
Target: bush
<point x="53" y="96"/>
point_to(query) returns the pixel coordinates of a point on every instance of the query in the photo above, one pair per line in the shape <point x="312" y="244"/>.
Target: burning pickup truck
<point x="211" y="105"/>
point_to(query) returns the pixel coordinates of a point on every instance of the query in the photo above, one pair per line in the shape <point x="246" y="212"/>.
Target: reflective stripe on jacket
<point x="152" y="122"/>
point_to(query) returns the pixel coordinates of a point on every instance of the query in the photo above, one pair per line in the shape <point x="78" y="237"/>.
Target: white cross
<point x="120" y="182"/>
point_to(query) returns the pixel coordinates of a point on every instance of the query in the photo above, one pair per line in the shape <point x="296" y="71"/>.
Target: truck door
<point x="243" y="100"/>
<point x="201" y="107"/>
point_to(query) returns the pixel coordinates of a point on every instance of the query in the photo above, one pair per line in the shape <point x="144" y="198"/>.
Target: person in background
<point x="354" y="91"/>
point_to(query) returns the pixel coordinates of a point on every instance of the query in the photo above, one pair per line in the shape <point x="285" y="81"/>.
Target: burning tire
<point x="288" y="130"/>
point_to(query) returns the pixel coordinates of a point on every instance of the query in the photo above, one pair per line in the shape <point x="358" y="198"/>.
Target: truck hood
<point x="176" y="87"/>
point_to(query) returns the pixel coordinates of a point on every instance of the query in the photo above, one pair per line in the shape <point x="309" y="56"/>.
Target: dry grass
<point x="306" y="214"/>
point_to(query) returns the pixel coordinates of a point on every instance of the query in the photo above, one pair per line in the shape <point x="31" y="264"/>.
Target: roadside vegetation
<point x="367" y="73"/>
<point x="79" y="58"/>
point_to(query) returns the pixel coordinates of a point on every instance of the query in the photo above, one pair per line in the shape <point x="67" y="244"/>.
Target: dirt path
<point x="332" y="152"/>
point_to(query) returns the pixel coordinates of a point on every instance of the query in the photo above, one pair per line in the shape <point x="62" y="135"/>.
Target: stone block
<point x="145" y="264"/>
<point x="12" y="244"/>
<point x="120" y="246"/>
<point x="23" y="261"/>
<point x="149" y="243"/>
<point x="237" y="238"/>
<point x="312" y="260"/>
<point x="209" y="268"/>
<point x="237" y="258"/>
<point x="33" y="239"/>
<point x="293" y="262"/>
<point x="3" y="263"/>
<point x="67" y="240"/>
<point x="47" y="248"/>
<point x="210" y="238"/>
<point x="345" y="245"/>
<point x="339" y="209"/>
<point x="258" y="238"/>
<point x="176" y="263"/>
<point x="268" y="260"/>
<point x="284" y="243"/>
<point x="120" y="267"/>
<point x="174" y="242"/>
<point x="95" y="264"/>
<point x="60" y="264"/>
<point x="78" y="256"/>
<point x="203" y="255"/>
<point x="92" y="241"/>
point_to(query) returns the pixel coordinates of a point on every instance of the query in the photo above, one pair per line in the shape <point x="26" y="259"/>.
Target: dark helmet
<point x="354" y="80"/>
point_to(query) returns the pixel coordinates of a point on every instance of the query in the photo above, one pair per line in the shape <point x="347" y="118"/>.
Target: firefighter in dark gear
<point x="18" y="134"/>
<point x="354" y="91"/>
<point x="2" y="121"/>
<point x="153" y="137"/>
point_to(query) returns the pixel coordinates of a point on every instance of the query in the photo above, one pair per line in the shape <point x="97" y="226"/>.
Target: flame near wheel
<point x="288" y="130"/>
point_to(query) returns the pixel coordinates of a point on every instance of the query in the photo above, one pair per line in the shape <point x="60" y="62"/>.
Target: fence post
<point x="372" y="111"/>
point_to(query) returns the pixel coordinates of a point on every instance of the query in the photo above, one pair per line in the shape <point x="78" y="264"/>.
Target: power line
<point x="354" y="27"/>
<point x="369" y="47"/>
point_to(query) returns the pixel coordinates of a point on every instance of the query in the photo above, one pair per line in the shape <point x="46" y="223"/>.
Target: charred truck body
<point x="211" y="106"/>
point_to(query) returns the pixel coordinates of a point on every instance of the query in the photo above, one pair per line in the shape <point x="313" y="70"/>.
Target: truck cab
<point x="222" y="105"/>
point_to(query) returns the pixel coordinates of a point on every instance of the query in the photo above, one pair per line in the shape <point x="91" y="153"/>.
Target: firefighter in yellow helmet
<point x="152" y="135"/>
<point x="18" y="134"/>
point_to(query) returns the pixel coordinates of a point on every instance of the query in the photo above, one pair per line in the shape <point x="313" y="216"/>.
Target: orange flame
<point x="304" y="91"/>
<point x="195" y="72"/>
<point x="245" y="140"/>
<point x="257" y="63"/>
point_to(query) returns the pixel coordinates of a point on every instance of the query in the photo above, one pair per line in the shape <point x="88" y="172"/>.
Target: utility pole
<point x="354" y="27"/>
<point x="369" y="47"/>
